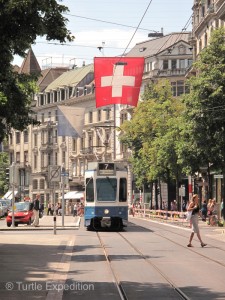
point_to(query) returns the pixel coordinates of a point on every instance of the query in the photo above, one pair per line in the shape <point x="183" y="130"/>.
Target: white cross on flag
<point x="118" y="80"/>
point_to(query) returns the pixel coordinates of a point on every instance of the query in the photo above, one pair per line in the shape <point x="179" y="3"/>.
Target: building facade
<point x="40" y="147"/>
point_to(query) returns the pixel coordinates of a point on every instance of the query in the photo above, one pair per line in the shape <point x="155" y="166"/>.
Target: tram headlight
<point x="106" y="211"/>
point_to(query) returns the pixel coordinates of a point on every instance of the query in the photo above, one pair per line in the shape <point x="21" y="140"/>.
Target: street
<point x="148" y="260"/>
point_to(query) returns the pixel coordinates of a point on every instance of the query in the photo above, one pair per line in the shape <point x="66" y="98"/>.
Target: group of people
<point x="57" y="208"/>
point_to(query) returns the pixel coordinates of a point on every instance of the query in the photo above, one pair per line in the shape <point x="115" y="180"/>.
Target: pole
<point x="54" y="216"/>
<point x="13" y="193"/>
<point x="63" y="200"/>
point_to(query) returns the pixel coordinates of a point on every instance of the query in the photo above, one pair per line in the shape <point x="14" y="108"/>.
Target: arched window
<point x="42" y="184"/>
<point x="35" y="184"/>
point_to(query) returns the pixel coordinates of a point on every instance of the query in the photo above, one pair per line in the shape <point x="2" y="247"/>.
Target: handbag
<point x="188" y="216"/>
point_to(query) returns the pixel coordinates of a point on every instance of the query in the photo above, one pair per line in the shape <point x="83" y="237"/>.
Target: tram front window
<point x="106" y="189"/>
<point x="89" y="190"/>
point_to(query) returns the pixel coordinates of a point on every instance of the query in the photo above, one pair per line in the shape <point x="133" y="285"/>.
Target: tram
<point x="106" y="198"/>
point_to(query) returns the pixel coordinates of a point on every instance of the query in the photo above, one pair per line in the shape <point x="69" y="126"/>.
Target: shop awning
<point x="73" y="195"/>
<point x="9" y="195"/>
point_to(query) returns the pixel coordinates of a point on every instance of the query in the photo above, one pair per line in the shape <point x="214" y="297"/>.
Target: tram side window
<point x="89" y="190"/>
<point x="123" y="190"/>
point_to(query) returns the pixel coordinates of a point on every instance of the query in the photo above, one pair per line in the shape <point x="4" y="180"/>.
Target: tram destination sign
<point x="106" y="169"/>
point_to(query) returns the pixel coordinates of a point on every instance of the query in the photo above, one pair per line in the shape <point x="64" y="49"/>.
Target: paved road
<point x="38" y="264"/>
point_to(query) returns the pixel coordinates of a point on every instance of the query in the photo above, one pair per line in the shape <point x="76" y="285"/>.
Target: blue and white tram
<point x="106" y="201"/>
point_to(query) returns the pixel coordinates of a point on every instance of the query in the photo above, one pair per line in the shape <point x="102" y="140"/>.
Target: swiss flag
<point x="117" y="80"/>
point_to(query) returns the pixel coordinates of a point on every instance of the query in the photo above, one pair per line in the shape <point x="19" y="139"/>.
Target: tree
<point x="205" y="105"/>
<point x="21" y="22"/>
<point x="4" y="163"/>
<point x="153" y="135"/>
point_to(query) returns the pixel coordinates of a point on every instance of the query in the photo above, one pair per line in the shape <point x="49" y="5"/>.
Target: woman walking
<point x="194" y="207"/>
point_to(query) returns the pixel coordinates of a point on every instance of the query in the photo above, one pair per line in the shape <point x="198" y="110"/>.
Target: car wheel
<point x="29" y="223"/>
<point x="16" y="224"/>
<point x="8" y="224"/>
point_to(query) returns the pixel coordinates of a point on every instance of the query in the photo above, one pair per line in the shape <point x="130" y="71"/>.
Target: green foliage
<point x="204" y="117"/>
<point x="4" y="163"/>
<point x="153" y="134"/>
<point x="21" y="22"/>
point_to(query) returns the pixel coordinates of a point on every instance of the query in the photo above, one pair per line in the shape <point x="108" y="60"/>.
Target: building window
<point x="42" y="184"/>
<point x="165" y="64"/>
<point x="182" y="63"/>
<point x="179" y="88"/>
<point x="82" y="168"/>
<point x="64" y="157"/>
<point x="35" y="140"/>
<point x="108" y="114"/>
<point x="35" y="184"/>
<point x="49" y="116"/>
<point x="90" y="141"/>
<point x="56" y="158"/>
<point x="56" y="115"/>
<point x="35" y="161"/>
<point x="74" y="169"/>
<point x="26" y="156"/>
<point x="41" y="99"/>
<point x="173" y="64"/>
<point x="17" y="157"/>
<point x="25" y="136"/>
<point x="123" y="117"/>
<point x="90" y="117"/>
<point x="74" y="145"/>
<point x="49" y="159"/>
<point x="17" y="137"/>
<point x="42" y="160"/>
<point x="99" y="115"/>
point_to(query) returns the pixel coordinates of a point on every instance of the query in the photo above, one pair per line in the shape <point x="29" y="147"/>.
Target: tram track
<point x="190" y="249"/>
<point x="117" y="282"/>
<point x="119" y="285"/>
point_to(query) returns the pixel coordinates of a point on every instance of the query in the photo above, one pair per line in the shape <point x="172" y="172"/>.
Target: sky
<point x="114" y="25"/>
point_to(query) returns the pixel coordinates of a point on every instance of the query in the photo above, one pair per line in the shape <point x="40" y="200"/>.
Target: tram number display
<point x="106" y="169"/>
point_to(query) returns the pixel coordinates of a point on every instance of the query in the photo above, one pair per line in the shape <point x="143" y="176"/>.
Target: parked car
<point x="3" y="210"/>
<point x="23" y="214"/>
<point x="7" y="204"/>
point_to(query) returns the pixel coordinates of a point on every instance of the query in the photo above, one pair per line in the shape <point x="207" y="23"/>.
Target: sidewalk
<point x="46" y="223"/>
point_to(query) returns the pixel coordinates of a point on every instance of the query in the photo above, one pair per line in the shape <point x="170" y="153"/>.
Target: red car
<point x="23" y="214"/>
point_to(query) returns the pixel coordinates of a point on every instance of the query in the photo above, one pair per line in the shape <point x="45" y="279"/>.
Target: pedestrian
<point x="75" y="210"/>
<point x="36" y="210"/>
<point x="194" y="207"/>
<point x="49" y="208"/>
<point x="204" y="210"/>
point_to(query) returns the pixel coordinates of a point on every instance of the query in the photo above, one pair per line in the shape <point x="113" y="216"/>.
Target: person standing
<point x="36" y="210"/>
<point x="194" y="207"/>
<point x="49" y="209"/>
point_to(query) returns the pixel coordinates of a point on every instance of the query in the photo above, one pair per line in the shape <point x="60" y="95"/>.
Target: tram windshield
<point x="106" y="189"/>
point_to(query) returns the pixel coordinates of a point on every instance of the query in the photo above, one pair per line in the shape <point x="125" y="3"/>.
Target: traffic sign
<point x="54" y="173"/>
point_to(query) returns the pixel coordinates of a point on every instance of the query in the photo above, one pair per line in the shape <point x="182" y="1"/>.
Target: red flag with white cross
<point x="118" y="80"/>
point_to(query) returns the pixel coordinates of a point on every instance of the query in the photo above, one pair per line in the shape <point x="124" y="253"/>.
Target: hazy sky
<point x="171" y="15"/>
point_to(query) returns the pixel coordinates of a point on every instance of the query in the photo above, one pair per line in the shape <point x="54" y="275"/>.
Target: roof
<point x="48" y="76"/>
<point x="157" y="45"/>
<point x="30" y="64"/>
<point x="70" y="78"/>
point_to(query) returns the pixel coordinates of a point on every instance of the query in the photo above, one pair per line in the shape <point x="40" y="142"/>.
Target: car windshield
<point x="6" y="202"/>
<point x="21" y="206"/>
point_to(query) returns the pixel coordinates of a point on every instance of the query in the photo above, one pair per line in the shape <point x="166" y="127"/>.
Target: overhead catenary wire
<point x="108" y="22"/>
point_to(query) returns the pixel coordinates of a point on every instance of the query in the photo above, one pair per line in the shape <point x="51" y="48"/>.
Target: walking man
<point x="36" y="210"/>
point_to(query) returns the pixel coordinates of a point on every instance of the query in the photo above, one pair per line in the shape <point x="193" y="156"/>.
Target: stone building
<point x="40" y="146"/>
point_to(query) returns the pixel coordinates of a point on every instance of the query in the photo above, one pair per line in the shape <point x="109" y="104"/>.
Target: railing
<point x="174" y="217"/>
